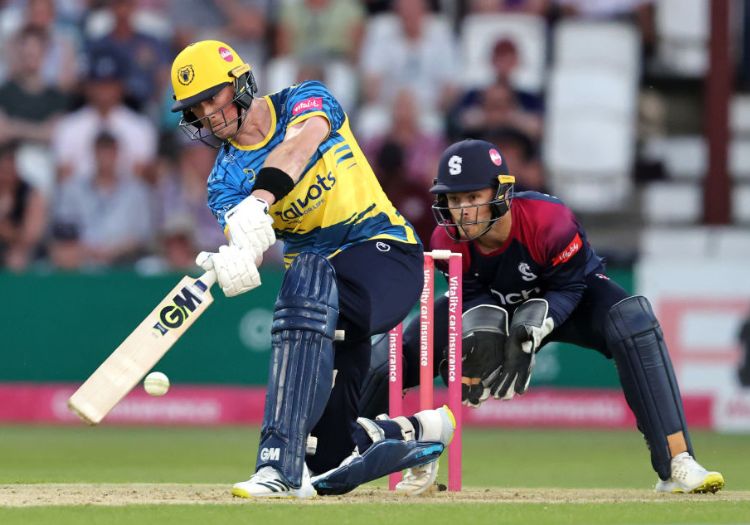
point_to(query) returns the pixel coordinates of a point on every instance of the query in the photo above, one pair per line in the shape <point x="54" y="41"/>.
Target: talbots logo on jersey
<point x="310" y="201"/>
<point x="185" y="75"/>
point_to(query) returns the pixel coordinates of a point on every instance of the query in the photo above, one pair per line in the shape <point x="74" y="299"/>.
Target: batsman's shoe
<point x="688" y="476"/>
<point x="268" y="483"/>
<point x="436" y="425"/>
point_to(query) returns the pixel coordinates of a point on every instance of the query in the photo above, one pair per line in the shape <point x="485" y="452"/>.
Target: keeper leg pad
<point x="301" y="368"/>
<point x="637" y="344"/>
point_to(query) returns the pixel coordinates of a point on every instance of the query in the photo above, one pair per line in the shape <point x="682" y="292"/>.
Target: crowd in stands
<point x="95" y="173"/>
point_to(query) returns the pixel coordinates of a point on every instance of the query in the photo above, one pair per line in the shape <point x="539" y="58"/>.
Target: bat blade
<point x="143" y="348"/>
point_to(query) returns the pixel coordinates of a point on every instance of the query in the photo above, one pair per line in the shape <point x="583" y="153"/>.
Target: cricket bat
<point x="143" y="348"/>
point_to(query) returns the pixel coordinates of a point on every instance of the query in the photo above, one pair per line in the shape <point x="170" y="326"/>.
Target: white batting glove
<point x="250" y="226"/>
<point x="235" y="269"/>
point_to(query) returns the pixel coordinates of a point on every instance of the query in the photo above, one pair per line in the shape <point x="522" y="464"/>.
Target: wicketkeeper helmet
<point x="471" y="165"/>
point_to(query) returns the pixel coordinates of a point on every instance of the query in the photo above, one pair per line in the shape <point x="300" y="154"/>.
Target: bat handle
<point x="208" y="278"/>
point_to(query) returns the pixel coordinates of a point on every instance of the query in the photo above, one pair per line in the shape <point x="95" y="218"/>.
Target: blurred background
<point x="635" y="112"/>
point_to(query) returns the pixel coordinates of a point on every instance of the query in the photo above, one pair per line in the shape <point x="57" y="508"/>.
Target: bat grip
<point x="208" y="278"/>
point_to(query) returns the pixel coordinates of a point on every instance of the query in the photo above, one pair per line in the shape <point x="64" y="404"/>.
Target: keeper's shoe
<point x="268" y="483"/>
<point x="436" y="425"/>
<point x="688" y="476"/>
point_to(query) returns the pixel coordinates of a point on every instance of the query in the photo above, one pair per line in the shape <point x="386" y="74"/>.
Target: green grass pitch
<point x="96" y="475"/>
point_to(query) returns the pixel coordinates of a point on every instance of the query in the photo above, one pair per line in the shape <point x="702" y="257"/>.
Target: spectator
<point x="405" y="162"/>
<point x="520" y="152"/>
<point x="533" y="7"/>
<point x="60" y="65"/>
<point x="23" y="213"/>
<point x="418" y="52"/>
<point x="181" y="191"/>
<point x="176" y="249"/>
<point x="505" y="61"/>
<point x="320" y="30"/>
<point x="243" y="22"/>
<point x="103" y="219"/>
<point x="73" y="137"/>
<point x="28" y="105"/>
<point x="178" y="243"/>
<point x="498" y="107"/>
<point x="147" y="58"/>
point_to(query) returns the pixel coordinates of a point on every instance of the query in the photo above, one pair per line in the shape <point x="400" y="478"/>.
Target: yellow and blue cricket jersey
<point x="337" y="202"/>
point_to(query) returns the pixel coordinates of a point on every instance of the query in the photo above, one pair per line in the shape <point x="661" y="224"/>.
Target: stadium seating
<point x="682" y="27"/>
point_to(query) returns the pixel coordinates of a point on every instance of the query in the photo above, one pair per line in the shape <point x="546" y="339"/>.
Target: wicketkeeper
<point x="531" y="277"/>
<point x="288" y="166"/>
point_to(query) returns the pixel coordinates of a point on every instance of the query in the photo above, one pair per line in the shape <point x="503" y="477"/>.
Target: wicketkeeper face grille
<point x="464" y="219"/>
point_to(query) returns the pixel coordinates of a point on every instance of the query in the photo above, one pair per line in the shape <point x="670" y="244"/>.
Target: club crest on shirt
<point x="250" y="172"/>
<point x="526" y="273"/>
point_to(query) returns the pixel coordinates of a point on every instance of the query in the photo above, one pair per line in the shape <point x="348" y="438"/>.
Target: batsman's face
<point x="219" y="114"/>
<point x="470" y="210"/>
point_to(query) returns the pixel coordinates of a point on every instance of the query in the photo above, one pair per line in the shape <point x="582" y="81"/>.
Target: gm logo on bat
<point x="174" y="315"/>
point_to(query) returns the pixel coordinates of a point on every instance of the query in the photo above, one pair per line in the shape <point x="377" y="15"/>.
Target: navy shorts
<point x="378" y="283"/>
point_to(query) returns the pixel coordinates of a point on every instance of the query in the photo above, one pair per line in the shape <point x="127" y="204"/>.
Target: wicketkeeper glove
<point x="235" y="269"/>
<point x="529" y="327"/>
<point x="481" y="352"/>
<point x="485" y="329"/>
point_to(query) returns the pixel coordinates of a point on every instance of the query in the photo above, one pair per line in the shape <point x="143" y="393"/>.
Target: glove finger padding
<point x="250" y="226"/>
<point x="529" y="327"/>
<point x="235" y="269"/>
<point x="484" y="335"/>
<point x="516" y="369"/>
<point x="203" y="259"/>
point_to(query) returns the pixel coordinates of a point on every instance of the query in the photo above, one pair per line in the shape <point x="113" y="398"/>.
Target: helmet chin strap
<point x="241" y="106"/>
<point x="240" y="120"/>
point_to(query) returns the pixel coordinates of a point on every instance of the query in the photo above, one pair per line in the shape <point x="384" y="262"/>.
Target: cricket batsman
<point x="288" y="167"/>
<point x="531" y="277"/>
